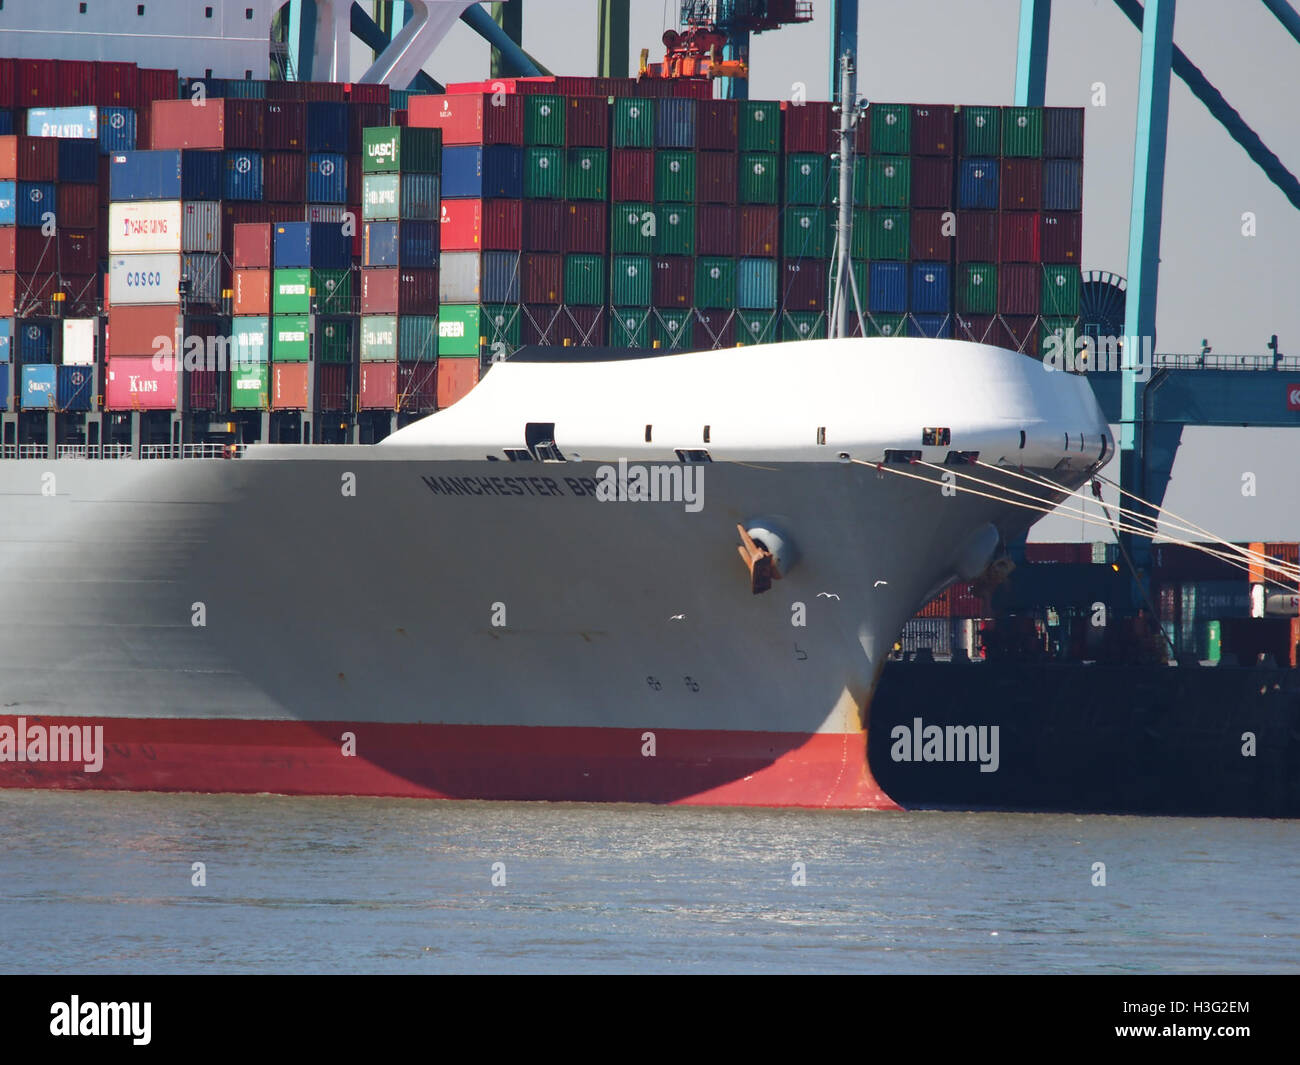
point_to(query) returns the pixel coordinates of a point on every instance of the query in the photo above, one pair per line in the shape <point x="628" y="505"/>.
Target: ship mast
<point x="844" y="282"/>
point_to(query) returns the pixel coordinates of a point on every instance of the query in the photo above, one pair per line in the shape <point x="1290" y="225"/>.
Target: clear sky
<point x="1214" y="282"/>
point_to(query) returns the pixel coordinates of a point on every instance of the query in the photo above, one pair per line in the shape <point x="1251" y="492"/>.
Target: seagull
<point x="678" y="617"/>
<point x="828" y="595"/>
<point x="879" y="583"/>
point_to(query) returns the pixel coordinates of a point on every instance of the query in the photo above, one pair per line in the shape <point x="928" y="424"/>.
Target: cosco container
<point x="544" y="173"/>
<point x="715" y="282"/>
<point x="1062" y="185"/>
<point x="316" y="244"/>
<point x="1022" y="131"/>
<point x="586" y="174"/>
<point x="634" y="122"/>
<point x="759" y="178"/>
<point x="807" y="233"/>
<point x="887" y="287"/>
<point x="149" y="278"/>
<point x="478" y="118"/>
<point x="891" y="129"/>
<point x="759" y="124"/>
<point x="327" y="178"/>
<point x="482" y="172"/>
<point x="674" y="123"/>
<point x="544" y="120"/>
<point x="931" y="287"/>
<point x="398" y="150"/>
<point x="165" y="175"/>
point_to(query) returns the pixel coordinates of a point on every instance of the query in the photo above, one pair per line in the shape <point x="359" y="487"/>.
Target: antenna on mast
<point x="844" y="284"/>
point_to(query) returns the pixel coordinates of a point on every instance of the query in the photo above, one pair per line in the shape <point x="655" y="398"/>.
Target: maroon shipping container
<point x="1020" y="331"/>
<point x="503" y="225"/>
<point x="977" y="237"/>
<point x="716" y="125"/>
<point x="1018" y="238"/>
<point x="1022" y="184"/>
<point x="1062" y="237"/>
<point x="358" y="237"/>
<point x="544" y="225"/>
<point x="405" y="291"/>
<point x="715" y="178"/>
<point x="633" y="175"/>
<point x="207" y="389"/>
<point x="37" y="83"/>
<point x="367" y="93"/>
<point x="400" y="117"/>
<point x="932" y="183"/>
<point x="803" y="285"/>
<point x="78" y="205"/>
<point x="759" y="230"/>
<point x="586" y="122"/>
<point x="361" y="114"/>
<point x="78" y="250"/>
<point x="537" y="323"/>
<point x="252" y="245"/>
<point x="284" y="124"/>
<point x="283" y="90"/>
<point x="579" y="327"/>
<point x="929" y="242"/>
<point x="29" y="158"/>
<point x="714" y="329"/>
<point x="284" y="177"/>
<point x="8" y="252"/>
<point x="1020" y="287"/>
<point x="76" y="83"/>
<point x="30" y="251"/>
<point x="541" y="277"/>
<point x="586" y="228"/>
<point x="979" y="328"/>
<point x="715" y="230"/>
<point x="808" y="127"/>
<point x="116" y="85"/>
<point x="354" y="177"/>
<point x="674" y="282"/>
<point x="328" y="91"/>
<point x="335" y="383"/>
<point x="80" y="294"/>
<point x="932" y="131"/>
<point x="7" y="83"/>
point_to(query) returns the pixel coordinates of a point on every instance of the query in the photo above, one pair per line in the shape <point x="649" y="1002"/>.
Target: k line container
<point x="136" y="384"/>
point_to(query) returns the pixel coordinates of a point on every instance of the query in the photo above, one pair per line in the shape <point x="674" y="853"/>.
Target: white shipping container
<point x="201" y="226"/>
<point x="144" y="279"/>
<point x="78" y="342"/>
<point x="144" y="225"/>
<point x="460" y="276"/>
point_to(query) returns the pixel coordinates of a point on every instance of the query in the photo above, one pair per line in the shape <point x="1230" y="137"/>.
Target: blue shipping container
<point x="34" y="341"/>
<point x="756" y="285"/>
<point x="192" y="174"/>
<point x="6" y="332"/>
<point x="931" y="287"/>
<point x="4" y="391"/>
<point x="977" y="185"/>
<point x="243" y="176"/>
<point x="322" y="245"/>
<point x="327" y="126"/>
<point x="76" y="387"/>
<point x="78" y="162"/>
<point x="40" y="387"/>
<point x="887" y="287"/>
<point x="1062" y="185"/>
<point x="117" y="130"/>
<point x="413" y="244"/>
<point x="70" y="122"/>
<point x="327" y="178"/>
<point x="8" y="212"/>
<point x="500" y="280"/>
<point x="483" y="173"/>
<point x="674" y="123"/>
<point x="33" y="200"/>
<point x="934" y="326"/>
<point x="6" y="123"/>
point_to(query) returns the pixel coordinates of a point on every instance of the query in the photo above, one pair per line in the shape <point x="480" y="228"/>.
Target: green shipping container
<point x="1061" y="285"/>
<point x="629" y="327"/>
<point x="379" y="338"/>
<point x="584" y="280"/>
<point x="334" y="341"/>
<point x="807" y="180"/>
<point x="501" y="325"/>
<point x="250" y="387"/>
<point x="759" y="178"/>
<point x="803" y="325"/>
<point x="544" y="173"/>
<point x="629" y="280"/>
<point x="544" y="120"/>
<point x="250" y="340"/>
<point x="756" y="327"/>
<point x="291" y="292"/>
<point x="1022" y="131"/>
<point x="634" y="122"/>
<point x="459" y="330"/>
<point x="675" y="177"/>
<point x="861" y="246"/>
<point x="981" y="131"/>
<point x="977" y="288"/>
<point x="674" y="229"/>
<point x="715" y="283"/>
<point x="889" y="235"/>
<point x="290" y="338"/>
<point x="860" y="170"/>
<point x="333" y="291"/>
<point x="760" y="126"/>
<point x="891" y="129"/>
<point x="399" y="150"/>
<point x="417" y="338"/>
<point x="889" y="181"/>
<point x="807" y="233"/>
<point x="587" y="174"/>
<point x="885" y="325"/>
<point x="632" y="228"/>
<point x="381" y="197"/>
<point x="671" y="328"/>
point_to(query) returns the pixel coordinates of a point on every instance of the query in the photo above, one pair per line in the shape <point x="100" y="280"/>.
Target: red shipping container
<point x="329" y="91"/>
<point x="393" y="291"/>
<point x="1018" y="238"/>
<point x="928" y="240"/>
<point x="29" y="158"/>
<point x="289" y="385"/>
<point x="206" y="388"/>
<point x="1017" y="332"/>
<point x="284" y="124"/>
<point x="541" y="277"/>
<point x="809" y="126"/>
<point x="400" y="117"/>
<point x="978" y="328"/>
<point x="335" y="382"/>
<point x="544" y="225"/>
<point x="455" y="377"/>
<point x="715" y="177"/>
<point x="7" y="83"/>
<point x="417" y="386"/>
<point x="78" y="205"/>
<point x="378" y="381"/>
<point x="379" y="290"/>
<point x="932" y="183"/>
<point x="759" y="230"/>
<point x="8" y="295"/>
<point x="253" y="292"/>
<point x="716" y="126"/>
<point x="9" y="249"/>
<point x="1020" y="287"/>
<point x="366" y="93"/>
<point x="284" y="177"/>
<point x="138" y="330"/>
<point x="674" y="282"/>
<point x="135" y="384"/>
<point x="932" y="131"/>
<point x="37" y="82"/>
<point x="116" y="85"/>
<point x="586" y="228"/>
<point x="633" y="175"/>
<point x="803" y="285"/>
<point x="1021" y="184"/>
<point x="714" y="329"/>
<point x="715" y="230"/>
<point x="1062" y="237"/>
<point x="490" y="225"/>
<point x="284" y="90"/>
<point x="586" y="122"/>
<point x="252" y="245"/>
<point x="977" y="237"/>
<point x="76" y="83"/>
<point x="212" y="123"/>
<point x="23" y="295"/>
<point x="358" y="236"/>
<point x="470" y="119"/>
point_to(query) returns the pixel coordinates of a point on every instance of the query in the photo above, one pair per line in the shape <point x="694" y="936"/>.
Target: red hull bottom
<point x="711" y="768"/>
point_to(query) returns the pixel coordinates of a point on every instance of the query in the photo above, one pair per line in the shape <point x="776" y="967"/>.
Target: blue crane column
<point x="1031" y="52"/>
<point x="844" y="38"/>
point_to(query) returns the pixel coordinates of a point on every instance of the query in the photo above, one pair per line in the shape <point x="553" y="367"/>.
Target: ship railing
<point x="1210" y="361"/>
<point x="33" y="451"/>
<point x="94" y="451"/>
<point x="191" y="451"/>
